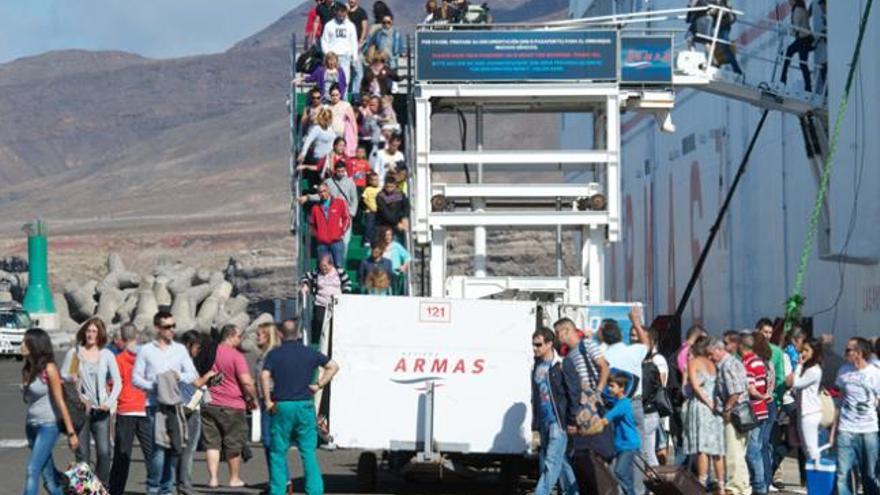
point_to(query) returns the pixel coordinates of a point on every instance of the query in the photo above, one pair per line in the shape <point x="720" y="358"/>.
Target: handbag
<point x="81" y="480"/>
<point x="827" y="405"/>
<point x="663" y="403"/>
<point x="76" y="408"/>
<point x="743" y="417"/>
<point x="588" y="419"/>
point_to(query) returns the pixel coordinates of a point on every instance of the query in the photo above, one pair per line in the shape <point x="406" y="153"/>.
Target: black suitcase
<point x="606" y="482"/>
<point x="669" y="480"/>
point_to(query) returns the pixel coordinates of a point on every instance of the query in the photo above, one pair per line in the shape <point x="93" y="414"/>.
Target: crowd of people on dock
<point x="173" y="391"/>
<point x="728" y="408"/>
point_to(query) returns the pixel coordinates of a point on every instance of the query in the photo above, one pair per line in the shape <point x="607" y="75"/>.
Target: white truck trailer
<point x="431" y="385"/>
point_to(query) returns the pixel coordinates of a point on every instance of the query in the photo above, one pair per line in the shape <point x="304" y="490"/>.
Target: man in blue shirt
<point x="548" y="403"/>
<point x="287" y="372"/>
<point x="627" y="439"/>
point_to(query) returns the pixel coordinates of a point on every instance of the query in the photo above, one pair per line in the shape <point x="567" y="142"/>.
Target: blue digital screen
<point x="646" y="59"/>
<point x="505" y="56"/>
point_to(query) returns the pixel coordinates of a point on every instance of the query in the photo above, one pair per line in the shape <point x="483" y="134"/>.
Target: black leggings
<point x="801" y="46"/>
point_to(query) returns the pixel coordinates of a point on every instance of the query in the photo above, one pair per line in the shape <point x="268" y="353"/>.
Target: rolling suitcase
<point x="606" y="482"/>
<point x="669" y="480"/>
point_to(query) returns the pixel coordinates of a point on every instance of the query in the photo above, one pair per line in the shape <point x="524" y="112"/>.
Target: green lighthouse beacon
<point x="38" y="298"/>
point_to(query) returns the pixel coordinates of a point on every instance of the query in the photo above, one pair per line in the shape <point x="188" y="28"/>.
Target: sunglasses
<point x="851" y="349"/>
<point x="386" y="23"/>
<point x="169" y="327"/>
<point x="536" y="344"/>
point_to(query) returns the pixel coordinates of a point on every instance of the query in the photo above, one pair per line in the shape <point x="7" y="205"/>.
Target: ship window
<point x="688" y="144"/>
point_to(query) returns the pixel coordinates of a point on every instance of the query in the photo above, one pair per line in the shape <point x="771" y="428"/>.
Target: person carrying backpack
<point x="655" y="398"/>
<point x="585" y="373"/>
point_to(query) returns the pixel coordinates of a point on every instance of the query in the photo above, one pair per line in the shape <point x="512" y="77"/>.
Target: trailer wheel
<point x="366" y="472"/>
<point x="510" y="472"/>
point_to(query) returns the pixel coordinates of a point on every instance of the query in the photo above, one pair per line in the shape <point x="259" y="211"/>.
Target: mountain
<point x="118" y="151"/>
<point x="98" y="134"/>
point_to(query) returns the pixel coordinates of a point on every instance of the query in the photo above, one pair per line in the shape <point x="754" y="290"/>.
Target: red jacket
<point x="330" y="228"/>
<point x="357" y="170"/>
<point x="310" y="24"/>
<point x="131" y="399"/>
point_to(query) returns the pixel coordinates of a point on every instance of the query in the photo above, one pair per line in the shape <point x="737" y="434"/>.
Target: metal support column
<point x="438" y="263"/>
<point x="594" y="253"/>
<point x="478" y="204"/>
<point x="612" y="174"/>
<point x="423" y="169"/>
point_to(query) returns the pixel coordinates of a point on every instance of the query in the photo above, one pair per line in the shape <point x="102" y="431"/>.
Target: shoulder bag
<point x="70" y="392"/>
<point x="743" y="417"/>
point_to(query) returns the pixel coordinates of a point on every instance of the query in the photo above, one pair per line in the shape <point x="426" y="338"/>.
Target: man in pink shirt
<point x="224" y="425"/>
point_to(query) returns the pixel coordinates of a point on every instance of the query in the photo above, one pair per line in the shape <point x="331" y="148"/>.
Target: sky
<point x="152" y="28"/>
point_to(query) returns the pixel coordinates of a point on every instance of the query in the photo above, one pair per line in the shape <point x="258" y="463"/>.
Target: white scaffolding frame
<point x="596" y="226"/>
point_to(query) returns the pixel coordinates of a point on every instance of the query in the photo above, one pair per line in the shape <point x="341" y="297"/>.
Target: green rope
<point x="795" y="303"/>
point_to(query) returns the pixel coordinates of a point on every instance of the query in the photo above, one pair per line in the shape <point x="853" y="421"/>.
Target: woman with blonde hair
<point x="93" y="368"/>
<point x="326" y="75"/>
<point x="321" y="136"/>
<point x="267" y="339"/>
<point x="378" y="283"/>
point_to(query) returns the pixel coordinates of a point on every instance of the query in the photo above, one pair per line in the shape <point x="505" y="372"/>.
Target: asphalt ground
<point x="338" y="466"/>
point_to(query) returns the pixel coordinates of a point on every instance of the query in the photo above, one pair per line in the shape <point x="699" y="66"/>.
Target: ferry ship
<point x="673" y="185"/>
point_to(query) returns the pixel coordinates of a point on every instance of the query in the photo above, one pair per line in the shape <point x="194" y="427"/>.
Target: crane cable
<point x="794" y="304"/>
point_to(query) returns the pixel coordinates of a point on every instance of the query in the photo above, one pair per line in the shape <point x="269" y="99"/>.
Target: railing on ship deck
<point x="746" y="32"/>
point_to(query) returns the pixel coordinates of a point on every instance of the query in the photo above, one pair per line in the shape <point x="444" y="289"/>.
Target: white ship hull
<point x="673" y="187"/>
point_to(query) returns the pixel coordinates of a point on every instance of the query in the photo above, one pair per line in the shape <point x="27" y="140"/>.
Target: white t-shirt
<point x="661" y="364"/>
<point x="340" y="38"/>
<point x="806" y="388"/>
<point x="627" y="358"/>
<point x="858" y="407"/>
<point x="383" y="160"/>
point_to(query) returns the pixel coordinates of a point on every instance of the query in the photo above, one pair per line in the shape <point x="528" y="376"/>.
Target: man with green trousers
<point x="288" y="372"/>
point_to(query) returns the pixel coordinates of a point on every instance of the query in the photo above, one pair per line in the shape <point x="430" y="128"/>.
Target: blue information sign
<point x="505" y="56"/>
<point x="646" y="59"/>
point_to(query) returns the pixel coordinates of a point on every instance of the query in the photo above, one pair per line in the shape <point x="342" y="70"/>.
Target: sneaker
<point x="772" y="489"/>
<point x="779" y="485"/>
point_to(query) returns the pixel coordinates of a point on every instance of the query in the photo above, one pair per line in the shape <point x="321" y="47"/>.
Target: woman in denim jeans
<point x="267" y="339"/>
<point x="41" y="388"/>
<point x="93" y="368"/>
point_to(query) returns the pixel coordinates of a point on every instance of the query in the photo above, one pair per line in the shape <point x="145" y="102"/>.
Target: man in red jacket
<point x="131" y="415"/>
<point x="329" y="221"/>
